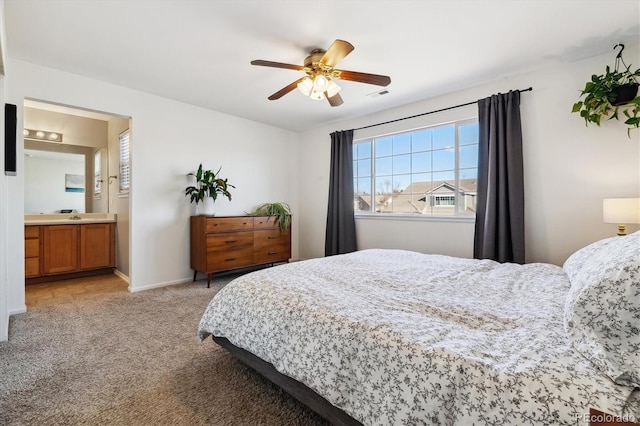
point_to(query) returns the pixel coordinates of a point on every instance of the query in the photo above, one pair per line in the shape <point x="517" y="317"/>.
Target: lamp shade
<point x="621" y="210"/>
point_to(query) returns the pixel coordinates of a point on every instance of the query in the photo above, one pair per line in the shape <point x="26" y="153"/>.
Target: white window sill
<point x="419" y="218"/>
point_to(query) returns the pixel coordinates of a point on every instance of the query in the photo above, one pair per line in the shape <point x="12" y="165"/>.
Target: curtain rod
<point x="431" y="112"/>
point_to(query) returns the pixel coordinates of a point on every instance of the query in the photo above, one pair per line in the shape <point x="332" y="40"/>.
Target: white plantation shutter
<point x="124" y="178"/>
<point x="97" y="179"/>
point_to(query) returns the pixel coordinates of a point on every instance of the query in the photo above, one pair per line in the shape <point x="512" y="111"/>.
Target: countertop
<point x="68" y="218"/>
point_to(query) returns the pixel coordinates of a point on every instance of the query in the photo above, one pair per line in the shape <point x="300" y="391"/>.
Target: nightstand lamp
<point x="621" y="211"/>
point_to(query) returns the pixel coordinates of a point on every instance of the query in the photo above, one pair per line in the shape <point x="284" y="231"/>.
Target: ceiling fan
<point x="319" y="67"/>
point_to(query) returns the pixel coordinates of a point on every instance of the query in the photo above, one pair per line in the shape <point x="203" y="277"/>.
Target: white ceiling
<point x="198" y="52"/>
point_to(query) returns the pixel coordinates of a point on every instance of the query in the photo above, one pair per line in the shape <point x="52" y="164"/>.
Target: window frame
<point x="457" y="216"/>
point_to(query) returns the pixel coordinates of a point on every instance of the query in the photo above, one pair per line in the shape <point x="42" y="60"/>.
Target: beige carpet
<point x="132" y="359"/>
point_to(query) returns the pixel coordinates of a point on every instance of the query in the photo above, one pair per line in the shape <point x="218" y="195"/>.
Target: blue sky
<point x="428" y="153"/>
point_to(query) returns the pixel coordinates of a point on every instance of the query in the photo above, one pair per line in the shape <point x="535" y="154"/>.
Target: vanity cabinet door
<point x="60" y="249"/>
<point x="97" y="246"/>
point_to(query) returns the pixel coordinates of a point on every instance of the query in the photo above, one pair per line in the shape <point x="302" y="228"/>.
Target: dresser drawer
<point x="31" y="232"/>
<point x="271" y="246"/>
<point x="32" y="248"/>
<point x="269" y="237"/>
<point x="230" y="259"/>
<point x="266" y="222"/>
<point x="224" y="224"/>
<point x="273" y="254"/>
<point x="226" y="241"/>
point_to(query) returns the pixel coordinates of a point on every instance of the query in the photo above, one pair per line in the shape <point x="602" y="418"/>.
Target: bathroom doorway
<point x="55" y="137"/>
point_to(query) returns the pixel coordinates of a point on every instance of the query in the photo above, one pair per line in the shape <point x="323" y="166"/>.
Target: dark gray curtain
<point x="499" y="229"/>
<point x="341" y="226"/>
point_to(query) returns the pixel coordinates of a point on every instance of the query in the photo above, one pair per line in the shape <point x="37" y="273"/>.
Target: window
<point x="430" y="171"/>
<point x="97" y="174"/>
<point x="124" y="163"/>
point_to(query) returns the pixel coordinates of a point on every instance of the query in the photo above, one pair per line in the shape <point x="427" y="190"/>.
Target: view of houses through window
<point x="429" y="171"/>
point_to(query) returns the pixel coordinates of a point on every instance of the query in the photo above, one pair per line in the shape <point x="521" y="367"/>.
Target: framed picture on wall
<point x="73" y="183"/>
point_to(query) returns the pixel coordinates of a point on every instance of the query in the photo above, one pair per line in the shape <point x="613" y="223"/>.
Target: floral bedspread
<point x="399" y="337"/>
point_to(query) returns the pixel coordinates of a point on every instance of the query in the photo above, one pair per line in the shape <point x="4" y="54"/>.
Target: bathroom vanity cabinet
<point x="66" y="250"/>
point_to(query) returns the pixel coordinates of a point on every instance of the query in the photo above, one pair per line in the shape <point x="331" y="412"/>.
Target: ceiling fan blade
<point x="361" y="77"/>
<point x="338" y="50"/>
<point x="335" y="100"/>
<point x="262" y="63"/>
<point x="280" y="93"/>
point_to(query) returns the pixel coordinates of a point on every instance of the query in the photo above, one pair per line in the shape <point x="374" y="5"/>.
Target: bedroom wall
<point x="4" y="207"/>
<point x="4" y="200"/>
<point x="117" y="203"/>
<point x="568" y="167"/>
<point x="169" y="139"/>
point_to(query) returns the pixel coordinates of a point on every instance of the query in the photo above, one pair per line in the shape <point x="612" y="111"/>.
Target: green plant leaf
<point x="208" y="184"/>
<point x="282" y="211"/>
<point x="577" y="106"/>
<point x="614" y="115"/>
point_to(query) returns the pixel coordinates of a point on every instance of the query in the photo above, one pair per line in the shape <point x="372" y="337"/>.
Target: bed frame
<point x="331" y="413"/>
<point x="299" y="391"/>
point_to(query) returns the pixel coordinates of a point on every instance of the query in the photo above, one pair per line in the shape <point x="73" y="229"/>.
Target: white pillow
<point x="602" y="310"/>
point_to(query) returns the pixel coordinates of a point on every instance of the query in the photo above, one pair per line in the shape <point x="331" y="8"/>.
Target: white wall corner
<point x="4" y="315"/>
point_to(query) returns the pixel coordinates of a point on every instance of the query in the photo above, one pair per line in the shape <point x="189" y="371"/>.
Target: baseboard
<point x="4" y="333"/>
<point x="158" y="285"/>
<point x="22" y="310"/>
<point x="121" y="275"/>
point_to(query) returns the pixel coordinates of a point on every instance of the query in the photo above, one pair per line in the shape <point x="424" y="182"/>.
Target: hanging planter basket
<point x="612" y="95"/>
<point x="624" y="94"/>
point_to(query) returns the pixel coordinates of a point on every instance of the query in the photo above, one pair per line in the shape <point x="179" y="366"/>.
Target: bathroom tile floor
<point x="50" y="293"/>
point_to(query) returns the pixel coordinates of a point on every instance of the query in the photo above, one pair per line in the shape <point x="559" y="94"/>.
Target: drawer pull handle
<point x="230" y="259"/>
<point x="272" y="237"/>
<point x="230" y="241"/>
<point x="272" y="252"/>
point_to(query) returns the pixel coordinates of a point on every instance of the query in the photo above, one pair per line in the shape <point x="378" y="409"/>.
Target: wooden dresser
<point x="229" y="242"/>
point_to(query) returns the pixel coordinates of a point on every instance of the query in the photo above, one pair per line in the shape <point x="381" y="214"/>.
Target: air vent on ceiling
<point x="376" y="94"/>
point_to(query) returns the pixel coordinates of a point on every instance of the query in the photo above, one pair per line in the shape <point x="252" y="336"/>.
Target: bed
<point x="381" y="337"/>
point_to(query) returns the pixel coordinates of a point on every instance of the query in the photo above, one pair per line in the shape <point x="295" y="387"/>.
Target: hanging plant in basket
<point x="608" y="94"/>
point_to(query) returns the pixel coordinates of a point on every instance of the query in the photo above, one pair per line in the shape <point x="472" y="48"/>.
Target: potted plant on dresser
<point x="207" y="187"/>
<point x="609" y="93"/>
<point x="281" y="212"/>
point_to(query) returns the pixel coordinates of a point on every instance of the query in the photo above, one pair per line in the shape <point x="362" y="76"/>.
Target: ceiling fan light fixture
<point x="305" y="86"/>
<point x="317" y="96"/>
<point x="320" y="83"/>
<point x="332" y="89"/>
<point x="320" y="71"/>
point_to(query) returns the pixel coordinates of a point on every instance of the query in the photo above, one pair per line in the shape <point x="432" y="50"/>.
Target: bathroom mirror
<point x="59" y="178"/>
<point x="69" y="171"/>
